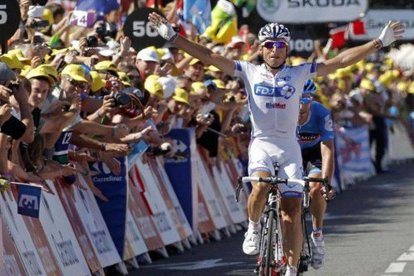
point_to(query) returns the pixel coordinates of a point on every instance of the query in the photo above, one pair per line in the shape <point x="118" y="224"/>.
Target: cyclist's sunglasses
<point x="305" y="100"/>
<point x="277" y="44"/>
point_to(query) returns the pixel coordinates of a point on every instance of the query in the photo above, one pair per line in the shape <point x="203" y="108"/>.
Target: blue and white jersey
<point x="318" y="127"/>
<point x="274" y="99"/>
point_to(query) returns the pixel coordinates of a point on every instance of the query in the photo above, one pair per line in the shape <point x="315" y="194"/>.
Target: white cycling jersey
<point x="274" y="99"/>
<point x="274" y="113"/>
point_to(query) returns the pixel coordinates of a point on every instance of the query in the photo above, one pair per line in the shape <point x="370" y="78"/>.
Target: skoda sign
<point x="311" y="11"/>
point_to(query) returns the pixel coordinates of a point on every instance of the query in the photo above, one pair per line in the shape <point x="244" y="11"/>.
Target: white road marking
<point x="395" y="268"/>
<point x="406" y="257"/>
<point x="196" y="265"/>
<point x="411" y="248"/>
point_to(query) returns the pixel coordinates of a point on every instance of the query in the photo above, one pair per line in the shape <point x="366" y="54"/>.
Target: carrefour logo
<point x="286" y="91"/>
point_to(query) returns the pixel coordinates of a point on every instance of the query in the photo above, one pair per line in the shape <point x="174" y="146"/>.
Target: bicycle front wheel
<point x="270" y="243"/>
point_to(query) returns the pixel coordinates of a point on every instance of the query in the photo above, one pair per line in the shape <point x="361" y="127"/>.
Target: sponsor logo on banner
<point x="182" y="173"/>
<point x="375" y="20"/>
<point x="28" y="200"/>
<point x="310" y="11"/>
<point x="114" y="188"/>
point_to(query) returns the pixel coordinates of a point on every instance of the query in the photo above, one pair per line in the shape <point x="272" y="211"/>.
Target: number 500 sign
<point x="138" y="28"/>
<point x="9" y="18"/>
<point x="3" y="14"/>
<point x="142" y="28"/>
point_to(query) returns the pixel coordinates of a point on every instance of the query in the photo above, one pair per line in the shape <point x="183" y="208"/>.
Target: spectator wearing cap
<point x="21" y="125"/>
<point x="195" y="70"/>
<point x="147" y="62"/>
<point x="112" y="17"/>
<point x="12" y="62"/>
<point x="234" y="49"/>
<point x="177" y="108"/>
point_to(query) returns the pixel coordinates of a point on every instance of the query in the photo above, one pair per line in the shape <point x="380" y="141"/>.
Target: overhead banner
<point x="375" y="20"/>
<point x="311" y="11"/>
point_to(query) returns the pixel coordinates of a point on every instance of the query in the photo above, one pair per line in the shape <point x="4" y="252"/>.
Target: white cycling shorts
<point x="264" y="152"/>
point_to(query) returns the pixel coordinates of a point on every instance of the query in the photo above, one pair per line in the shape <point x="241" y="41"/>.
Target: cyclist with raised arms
<point x="274" y="90"/>
<point x="316" y="139"/>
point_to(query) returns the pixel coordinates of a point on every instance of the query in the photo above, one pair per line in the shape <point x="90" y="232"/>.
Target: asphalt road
<point x="369" y="231"/>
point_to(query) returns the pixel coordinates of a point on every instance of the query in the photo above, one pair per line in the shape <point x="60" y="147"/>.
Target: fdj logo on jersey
<point x="286" y="91"/>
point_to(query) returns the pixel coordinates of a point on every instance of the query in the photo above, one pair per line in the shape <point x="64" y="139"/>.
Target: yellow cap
<point x="219" y="84"/>
<point x="40" y="72"/>
<point x="403" y="86"/>
<point x="369" y="67"/>
<point x="342" y="85"/>
<point x="386" y="78"/>
<point x="196" y="86"/>
<point x="153" y="85"/>
<point x="367" y="84"/>
<point x="51" y="71"/>
<point x="213" y="68"/>
<point x="19" y="54"/>
<point x="106" y="65"/>
<point x="12" y="61"/>
<point x="195" y="61"/>
<point x="48" y="15"/>
<point x="411" y="88"/>
<point x="124" y="78"/>
<point x="180" y="95"/>
<point x="97" y="82"/>
<point x="75" y="71"/>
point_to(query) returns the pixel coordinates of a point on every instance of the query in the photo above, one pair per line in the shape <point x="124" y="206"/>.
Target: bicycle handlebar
<point x="273" y="180"/>
<point x="276" y="180"/>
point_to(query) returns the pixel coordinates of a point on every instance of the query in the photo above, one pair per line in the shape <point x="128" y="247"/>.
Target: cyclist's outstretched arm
<point x="196" y="50"/>
<point x="391" y="32"/>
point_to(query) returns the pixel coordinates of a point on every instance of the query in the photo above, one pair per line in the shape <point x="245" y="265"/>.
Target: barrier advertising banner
<point x="139" y="208"/>
<point x="11" y="263"/>
<point x="114" y="188"/>
<point x="375" y="20"/>
<point x="161" y="182"/>
<point x="159" y="211"/>
<point x="352" y="146"/>
<point x="310" y="11"/>
<point x="67" y="198"/>
<point x="61" y="237"/>
<point x="206" y="188"/>
<point x="20" y="236"/>
<point x="399" y="143"/>
<point x="182" y="173"/>
<point x="84" y="203"/>
<point x="169" y="190"/>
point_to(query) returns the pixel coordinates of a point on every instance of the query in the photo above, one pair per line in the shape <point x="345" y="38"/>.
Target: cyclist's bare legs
<point x="318" y="203"/>
<point x="292" y="229"/>
<point x="258" y="197"/>
<point x="255" y="205"/>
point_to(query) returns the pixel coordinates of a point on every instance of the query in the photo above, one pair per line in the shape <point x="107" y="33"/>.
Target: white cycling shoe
<point x="318" y="251"/>
<point x="251" y="242"/>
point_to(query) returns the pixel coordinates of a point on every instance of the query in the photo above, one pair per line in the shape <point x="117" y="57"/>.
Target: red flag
<point x="358" y="27"/>
<point x="338" y="37"/>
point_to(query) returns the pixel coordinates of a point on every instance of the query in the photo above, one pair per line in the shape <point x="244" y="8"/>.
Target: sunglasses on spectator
<point x="277" y="44"/>
<point x="76" y="83"/>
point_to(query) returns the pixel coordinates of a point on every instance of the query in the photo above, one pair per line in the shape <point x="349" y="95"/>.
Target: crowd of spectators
<point x="70" y="95"/>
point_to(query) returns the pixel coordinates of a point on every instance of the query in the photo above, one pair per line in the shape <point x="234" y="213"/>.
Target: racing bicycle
<point x="271" y="260"/>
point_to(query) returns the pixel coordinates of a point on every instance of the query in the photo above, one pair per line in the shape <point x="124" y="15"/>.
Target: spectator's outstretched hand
<point x="391" y="32"/>
<point x="163" y="27"/>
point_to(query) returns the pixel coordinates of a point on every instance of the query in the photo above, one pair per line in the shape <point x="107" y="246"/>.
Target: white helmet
<point x="272" y="31"/>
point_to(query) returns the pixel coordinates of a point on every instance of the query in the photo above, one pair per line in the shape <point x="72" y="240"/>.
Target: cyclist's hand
<point x="328" y="195"/>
